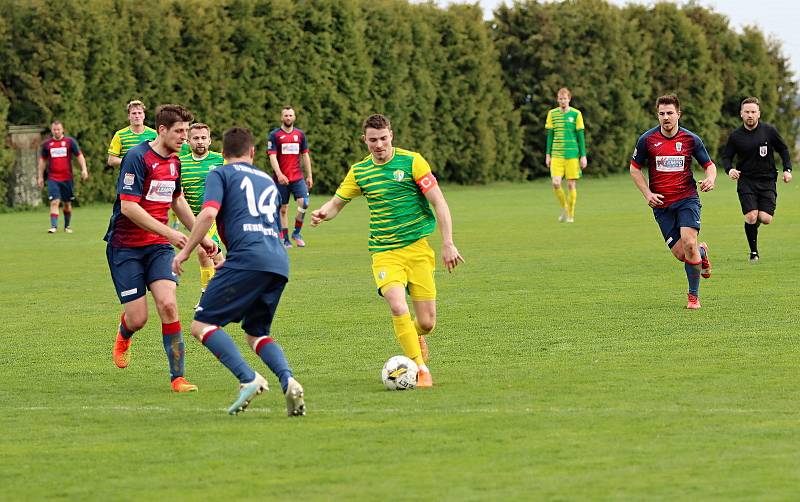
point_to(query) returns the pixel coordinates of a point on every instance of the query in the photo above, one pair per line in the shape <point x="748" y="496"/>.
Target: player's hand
<point x="177" y="262"/>
<point x="282" y="179"/>
<point x="177" y="239"/>
<point x="734" y="174"/>
<point x="787" y="176"/>
<point x="583" y="163"/>
<point x="451" y="257"/>
<point x="547" y="159"/>
<point x="707" y="185"/>
<point x="209" y="246"/>
<point x="218" y="264"/>
<point x="654" y="199"/>
<point x="310" y="182"/>
<point x="84" y="175"/>
<point x="40" y="182"/>
<point x="318" y="216"/>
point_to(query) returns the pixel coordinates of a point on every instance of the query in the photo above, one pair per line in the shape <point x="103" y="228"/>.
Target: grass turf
<point x="564" y="362"/>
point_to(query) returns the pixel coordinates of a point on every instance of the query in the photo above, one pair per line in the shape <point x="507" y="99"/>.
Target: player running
<point x="755" y="143"/>
<point x="56" y="156"/>
<point x="566" y="152"/>
<point x="399" y="186"/>
<point x="195" y="166"/>
<point x="140" y="243"/>
<point x="667" y="151"/>
<point x="286" y="145"/>
<point x="249" y="285"/>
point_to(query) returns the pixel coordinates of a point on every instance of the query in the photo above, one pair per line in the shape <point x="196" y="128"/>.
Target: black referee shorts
<point x="757" y="194"/>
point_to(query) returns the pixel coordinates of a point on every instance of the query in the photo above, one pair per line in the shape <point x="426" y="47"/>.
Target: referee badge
<point x="762" y="150"/>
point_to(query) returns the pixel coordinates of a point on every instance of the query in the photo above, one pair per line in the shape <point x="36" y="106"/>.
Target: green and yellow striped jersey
<point x="565" y="126"/>
<point x="125" y="139"/>
<point x="399" y="213"/>
<point x="193" y="177"/>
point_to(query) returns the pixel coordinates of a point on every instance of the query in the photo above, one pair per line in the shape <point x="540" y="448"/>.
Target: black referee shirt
<point x="756" y="150"/>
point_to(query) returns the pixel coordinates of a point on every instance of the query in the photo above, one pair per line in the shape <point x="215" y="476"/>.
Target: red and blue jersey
<point x="288" y="147"/>
<point x="669" y="162"/>
<point x="59" y="153"/>
<point x="150" y="180"/>
<point x="248" y="220"/>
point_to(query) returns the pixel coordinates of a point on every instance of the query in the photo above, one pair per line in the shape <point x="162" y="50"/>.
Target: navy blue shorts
<point x="134" y="269"/>
<point x="682" y="213"/>
<point x="61" y="190"/>
<point x="248" y="296"/>
<point x="297" y="188"/>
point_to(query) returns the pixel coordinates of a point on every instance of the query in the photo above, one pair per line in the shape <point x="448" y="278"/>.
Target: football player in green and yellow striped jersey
<point x="566" y="152"/>
<point x="195" y="165"/>
<point x="127" y="138"/>
<point x="400" y="189"/>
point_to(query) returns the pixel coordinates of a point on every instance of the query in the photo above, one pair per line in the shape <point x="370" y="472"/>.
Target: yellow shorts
<point x="565" y="168"/>
<point x="411" y="266"/>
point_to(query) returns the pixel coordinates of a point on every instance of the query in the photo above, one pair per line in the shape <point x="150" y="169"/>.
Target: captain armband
<point x="427" y="182"/>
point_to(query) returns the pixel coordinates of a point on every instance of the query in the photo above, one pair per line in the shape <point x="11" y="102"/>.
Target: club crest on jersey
<point x="762" y="150"/>
<point x="398" y="175"/>
<point x="570" y="119"/>
<point x="678" y="146"/>
<point x="171" y="169"/>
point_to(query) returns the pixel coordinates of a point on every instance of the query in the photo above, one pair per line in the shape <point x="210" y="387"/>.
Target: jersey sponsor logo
<point x="161" y="190"/>
<point x="290" y="148"/>
<point x="762" y="150"/>
<point x="678" y="146"/>
<point x="128" y="180"/>
<point x="58" y="152"/>
<point x="128" y="292"/>
<point x="398" y="175"/>
<point x="670" y="163"/>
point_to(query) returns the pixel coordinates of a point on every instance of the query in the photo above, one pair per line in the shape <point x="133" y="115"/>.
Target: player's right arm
<point x="550" y="127"/>
<point x="638" y="160"/>
<point x="727" y="158"/>
<point x="115" y="151"/>
<point x="41" y="168"/>
<point x="328" y="211"/>
<point x="272" y="153"/>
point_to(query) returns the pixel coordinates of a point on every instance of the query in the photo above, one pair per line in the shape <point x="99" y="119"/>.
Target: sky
<point x="777" y="18"/>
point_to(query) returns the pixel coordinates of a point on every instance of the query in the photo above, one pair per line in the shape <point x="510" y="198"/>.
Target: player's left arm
<point x="202" y="224"/>
<point x="701" y="154"/>
<point x="780" y="146"/>
<point x="450" y="255"/>
<point x="580" y="128"/>
<point x="81" y="159"/>
<point x="307" y="166"/>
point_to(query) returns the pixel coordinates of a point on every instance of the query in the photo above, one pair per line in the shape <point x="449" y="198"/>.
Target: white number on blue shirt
<point x="266" y="201"/>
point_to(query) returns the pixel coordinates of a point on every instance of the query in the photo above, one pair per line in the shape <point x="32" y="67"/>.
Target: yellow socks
<point x="407" y="337"/>
<point x="561" y="196"/>
<point x="206" y="273"/>
<point x="572" y="197"/>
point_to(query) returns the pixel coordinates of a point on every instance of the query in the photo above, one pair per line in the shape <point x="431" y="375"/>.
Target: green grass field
<point x="564" y="362"/>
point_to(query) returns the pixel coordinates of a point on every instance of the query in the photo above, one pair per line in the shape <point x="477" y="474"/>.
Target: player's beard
<point x="199" y="150"/>
<point x="288" y="124"/>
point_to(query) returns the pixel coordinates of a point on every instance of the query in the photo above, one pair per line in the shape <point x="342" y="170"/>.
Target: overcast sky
<point x="778" y="18"/>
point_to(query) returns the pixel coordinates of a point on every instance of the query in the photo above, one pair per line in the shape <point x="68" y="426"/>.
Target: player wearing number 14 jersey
<point x="244" y="201"/>
<point x="667" y="151"/>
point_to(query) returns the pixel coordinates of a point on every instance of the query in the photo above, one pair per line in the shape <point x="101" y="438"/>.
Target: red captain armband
<point x="427" y="182"/>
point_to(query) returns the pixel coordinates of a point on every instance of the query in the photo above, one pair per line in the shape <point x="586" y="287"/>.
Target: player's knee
<point x="765" y="218"/>
<point x="135" y="322"/>
<point x="302" y="204"/>
<point x="198" y="330"/>
<point x="751" y="218"/>
<point x="427" y="323"/>
<point x="168" y="310"/>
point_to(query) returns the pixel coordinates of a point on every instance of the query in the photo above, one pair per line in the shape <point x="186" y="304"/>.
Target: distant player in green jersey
<point x="127" y="138"/>
<point x="195" y="166"/>
<point x="566" y="152"/>
<point x="400" y="188"/>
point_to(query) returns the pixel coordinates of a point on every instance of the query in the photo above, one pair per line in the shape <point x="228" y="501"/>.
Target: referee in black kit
<point x="755" y="144"/>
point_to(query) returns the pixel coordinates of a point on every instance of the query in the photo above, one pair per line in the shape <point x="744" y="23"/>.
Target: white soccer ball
<point x="399" y="373"/>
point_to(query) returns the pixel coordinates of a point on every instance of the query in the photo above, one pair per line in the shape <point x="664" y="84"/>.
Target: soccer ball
<point x="399" y="373"/>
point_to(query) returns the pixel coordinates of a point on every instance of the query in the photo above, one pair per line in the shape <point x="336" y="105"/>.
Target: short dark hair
<point x="288" y="107"/>
<point x="377" y="121"/>
<point x="669" y="99"/>
<point x="237" y="141"/>
<point x="168" y="115"/>
<point x="56" y="122"/>
<point x="751" y="100"/>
